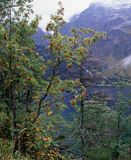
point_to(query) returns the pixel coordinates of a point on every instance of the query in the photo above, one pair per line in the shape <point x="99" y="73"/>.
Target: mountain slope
<point x="116" y="21"/>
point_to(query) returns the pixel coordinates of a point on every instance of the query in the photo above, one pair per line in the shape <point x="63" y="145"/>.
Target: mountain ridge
<point x="116" y="22"/>
<point x="115" y="50"/>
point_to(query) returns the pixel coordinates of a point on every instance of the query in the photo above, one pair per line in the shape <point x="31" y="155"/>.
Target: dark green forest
<point x="50" y="104"/>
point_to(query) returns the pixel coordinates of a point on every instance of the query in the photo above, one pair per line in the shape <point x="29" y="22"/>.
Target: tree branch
<point x="46" y="93"/>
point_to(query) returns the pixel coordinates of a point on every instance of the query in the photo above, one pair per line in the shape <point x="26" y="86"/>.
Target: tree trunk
<point x="82" y="118"/>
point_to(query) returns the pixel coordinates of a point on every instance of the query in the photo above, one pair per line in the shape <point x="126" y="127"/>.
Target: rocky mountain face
<point x="114" y="52"/>
<point x="41" y="42"/>
<point x="38" y="37"/>
<point x="116" y="22"/>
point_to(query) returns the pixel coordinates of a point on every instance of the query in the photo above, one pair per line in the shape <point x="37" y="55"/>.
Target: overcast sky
<point x="47" y="7"/>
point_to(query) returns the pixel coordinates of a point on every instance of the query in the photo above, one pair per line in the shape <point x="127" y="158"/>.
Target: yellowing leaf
<point x="49" y="113"/>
